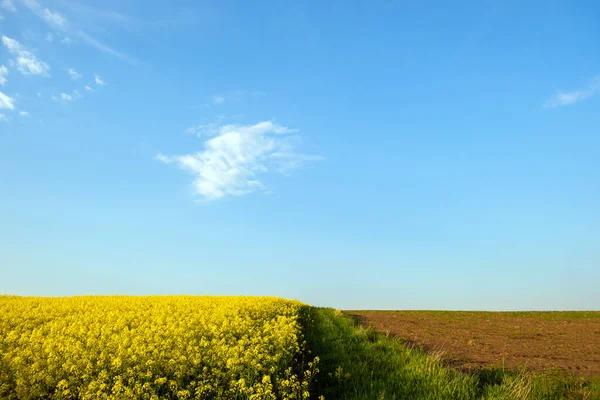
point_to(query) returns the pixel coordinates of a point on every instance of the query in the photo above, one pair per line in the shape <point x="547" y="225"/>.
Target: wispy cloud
<point x="75" y="95"/>
<point x="206" y="130"/>
<point x="568" y="98"/>
<point x="218" y="99"/>
<point x="63" y="97"/>
<point x="89" y="89"/>
<point x="3" y="74"/>
<point x="162" y="158"/>
<point x="3" y="118"/>
<point x="26" y="61"/>
<point x="52" y="18"/>
<point x="8" y="5"/>
<point x="49" y="37"/>
<point x="58" y="21"/>
<point x="89" y="12"/>
<point x="66" y="41"/>
<point x="99" y="81"/>
<point x="23" y="113"/>
<point x="236" y="155"/>
<point x="105" y="48"/>
<point x="73" y="73"/>
<point x="6" y="102"/>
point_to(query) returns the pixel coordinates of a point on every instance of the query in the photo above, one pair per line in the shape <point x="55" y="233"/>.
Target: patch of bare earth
<point x="568" y="341"/>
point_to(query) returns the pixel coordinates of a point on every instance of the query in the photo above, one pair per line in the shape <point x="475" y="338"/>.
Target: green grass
<point x="359" y="364"/>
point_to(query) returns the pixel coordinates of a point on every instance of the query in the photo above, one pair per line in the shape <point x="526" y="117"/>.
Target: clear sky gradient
<point x="354" y="154"/>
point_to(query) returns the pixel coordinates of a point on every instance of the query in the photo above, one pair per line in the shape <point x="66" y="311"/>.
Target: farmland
<point x="203" y="347"/>
<point x="360" y="362"/>
<point x="539" y="341"/>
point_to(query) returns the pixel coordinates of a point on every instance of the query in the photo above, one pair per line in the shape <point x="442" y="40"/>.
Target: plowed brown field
<point x="539" y="341"/>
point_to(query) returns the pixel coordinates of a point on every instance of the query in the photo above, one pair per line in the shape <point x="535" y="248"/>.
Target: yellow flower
<point x="97" y="347"/>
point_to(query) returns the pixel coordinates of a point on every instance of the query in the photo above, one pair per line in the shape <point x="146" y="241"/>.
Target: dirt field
<point x="539" y="341"/>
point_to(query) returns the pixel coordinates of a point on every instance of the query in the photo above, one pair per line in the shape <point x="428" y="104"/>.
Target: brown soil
<point x="540" y="341"/>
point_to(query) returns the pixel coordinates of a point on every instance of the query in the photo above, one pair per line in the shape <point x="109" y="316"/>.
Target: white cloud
<point x="162" y="158"/>
<point x="232" y="96"/>
<point x="66" y="41"/>
<point x="54" y="18"/>
<point x="568" y="98"/>
<point x="49" y="37"/>
<point x="99" y="81"/>
<point x="23" y="113"/>
<point x="233" y="158"/>
<point x="73" y="73"/>
<point x="8" y="5"/>
<point x="105" y="48"/>
<point x="26" y="61"/>
<point x="6" y="102"/>
<point x="3" y="74"/>
<point x="210" y="129"/>
<point x="59" y="21"/>
<point x="564" y="99"/>
<point x="91" y="13"/>
<point x="67" y="97"/>
<point x="11" y="44"/>
<point x="89" y="89"/>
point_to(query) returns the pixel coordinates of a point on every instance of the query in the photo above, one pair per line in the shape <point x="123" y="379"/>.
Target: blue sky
<point x="352" y="154"/>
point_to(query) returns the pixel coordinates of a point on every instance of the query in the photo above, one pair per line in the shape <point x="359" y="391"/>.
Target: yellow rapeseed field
<point x="173" y="347"/>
